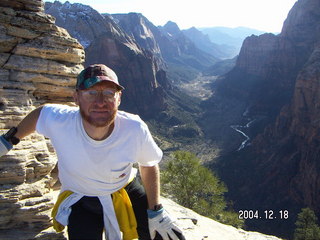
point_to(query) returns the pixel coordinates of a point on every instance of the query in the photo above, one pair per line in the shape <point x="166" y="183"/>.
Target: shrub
<point x="196" y="187"/>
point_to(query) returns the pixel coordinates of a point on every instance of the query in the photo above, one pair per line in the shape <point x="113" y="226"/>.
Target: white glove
<point x="5" y="146"/>
<point x="159" y="221"/>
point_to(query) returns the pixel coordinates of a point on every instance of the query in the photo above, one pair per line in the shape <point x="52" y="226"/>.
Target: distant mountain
<point x="183" y="50"/>
<point x="167" y="42"/>
<point x="181" y="58"/>
<point x="229" y="39"/>
<point x="203" y="42"/>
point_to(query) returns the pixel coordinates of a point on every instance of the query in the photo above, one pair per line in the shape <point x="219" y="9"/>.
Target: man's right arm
<point x="28" y="124"/>
<point x="24" y="128"/>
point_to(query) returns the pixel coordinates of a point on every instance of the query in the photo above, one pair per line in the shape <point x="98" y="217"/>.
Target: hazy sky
<point x="266" y="15"/>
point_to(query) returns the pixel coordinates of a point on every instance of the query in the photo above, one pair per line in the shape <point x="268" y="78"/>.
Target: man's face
<point x="98" y="104"/>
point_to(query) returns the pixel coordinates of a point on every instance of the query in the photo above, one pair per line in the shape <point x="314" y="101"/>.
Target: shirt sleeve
<point x="150" y="154"/>
<point x="51" y="117"/>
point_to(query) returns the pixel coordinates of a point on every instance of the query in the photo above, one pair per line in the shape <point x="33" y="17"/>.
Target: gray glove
<point x="5" y="146"/>
<point x="159" y="221"/>
<point x="7" y="140"/>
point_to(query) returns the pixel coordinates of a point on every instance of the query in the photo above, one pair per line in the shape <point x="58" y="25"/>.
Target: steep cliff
<point x="284" y="159"/>
<point x="141" y="30"/>
<point x="38" y="63"/>
<point x="268" y="64"/>
<point x="263" y="80"/>
<point x="167" y="42"/>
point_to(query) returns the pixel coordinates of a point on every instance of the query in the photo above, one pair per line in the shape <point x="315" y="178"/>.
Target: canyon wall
<point x="281" y="78"/>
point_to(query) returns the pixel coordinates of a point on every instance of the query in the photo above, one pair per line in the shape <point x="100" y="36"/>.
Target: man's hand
<point x="5" y="146"/>
<point x="159" y="221"/>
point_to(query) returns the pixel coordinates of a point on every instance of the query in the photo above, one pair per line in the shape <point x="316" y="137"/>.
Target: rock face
<point x="142" y="30"/>
<point x="284" y="159"/>
<point x="38" y="63"/>
<point x="167" y="42"/>
<point x="268" y="64"/>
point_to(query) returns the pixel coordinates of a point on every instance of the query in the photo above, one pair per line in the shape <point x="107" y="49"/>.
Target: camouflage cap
<point x="94" y="74"/>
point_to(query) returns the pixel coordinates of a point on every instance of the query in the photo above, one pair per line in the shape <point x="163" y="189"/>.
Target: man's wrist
<point x="153" y="213"/>
<point x="157" y="207"/>
<point x="10" y="136"/>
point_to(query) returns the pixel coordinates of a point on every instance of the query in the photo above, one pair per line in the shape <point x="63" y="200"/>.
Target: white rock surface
<point x="197" y="227"/>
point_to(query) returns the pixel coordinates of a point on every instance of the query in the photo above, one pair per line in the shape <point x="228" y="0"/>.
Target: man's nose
<point x="100" y="99"/>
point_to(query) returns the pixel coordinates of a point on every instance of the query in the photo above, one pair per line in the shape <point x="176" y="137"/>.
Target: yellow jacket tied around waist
<point x="125" y="217"/>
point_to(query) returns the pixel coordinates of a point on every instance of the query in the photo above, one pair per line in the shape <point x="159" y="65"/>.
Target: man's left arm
<point x="150" y="177"/>
<point x="158" y="218"/>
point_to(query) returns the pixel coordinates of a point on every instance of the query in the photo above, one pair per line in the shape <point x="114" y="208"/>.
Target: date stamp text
<point x="266" y="214"/>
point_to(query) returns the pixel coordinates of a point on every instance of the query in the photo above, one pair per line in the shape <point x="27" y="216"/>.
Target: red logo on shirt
<point x="122" y="175"/>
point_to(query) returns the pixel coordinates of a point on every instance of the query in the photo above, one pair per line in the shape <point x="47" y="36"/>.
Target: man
<point x="96" y="147"/>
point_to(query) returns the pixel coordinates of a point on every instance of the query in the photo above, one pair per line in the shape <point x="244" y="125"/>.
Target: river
<point x="240" y="129"/>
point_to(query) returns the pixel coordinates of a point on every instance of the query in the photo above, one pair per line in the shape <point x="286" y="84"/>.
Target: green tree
<point x="196" y="187"/>
<point x="306" y="226"/>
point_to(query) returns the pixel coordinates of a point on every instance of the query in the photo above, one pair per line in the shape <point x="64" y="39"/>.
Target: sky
<point x="264" y="15"/>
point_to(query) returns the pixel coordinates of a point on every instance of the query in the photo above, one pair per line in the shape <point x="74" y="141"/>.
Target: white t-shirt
<point x="91" y="167"/>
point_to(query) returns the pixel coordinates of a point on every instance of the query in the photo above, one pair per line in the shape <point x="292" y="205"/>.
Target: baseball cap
<point x="94" y="74"/>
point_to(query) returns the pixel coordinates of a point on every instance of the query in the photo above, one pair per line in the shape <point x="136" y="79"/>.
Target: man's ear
<point x="76" y="97"/>
<point x="119" y="98"/>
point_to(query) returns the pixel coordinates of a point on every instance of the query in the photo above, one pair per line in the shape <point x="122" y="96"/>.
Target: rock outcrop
<point x="38" y="63"/>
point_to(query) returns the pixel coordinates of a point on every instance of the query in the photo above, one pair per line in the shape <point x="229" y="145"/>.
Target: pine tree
<point x="306" y="226"/>
<point x="196" y="187"/>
